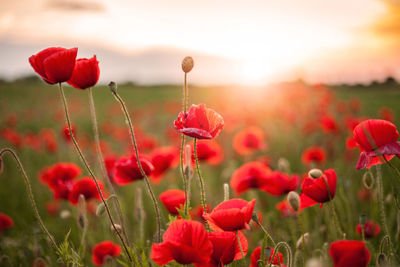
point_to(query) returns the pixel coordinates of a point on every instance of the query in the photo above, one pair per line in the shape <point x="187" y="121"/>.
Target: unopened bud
<point x="117" y="227"/>
<point x="315" y="173"/>
<point x="299" y="243"/>
<point x="100" y="209"/>
<point x="81" y="221"/>
<point x="381" y="260"/>
<point x="314" y="262"/>
<point x="187" y="64"/>
<point x="254" y="216"/>
<point x="65" y="214"/>
<point x="226" y="191"/>
<point x="268" y="252"/>
<point x="294" y="200"/>
<point x="363" y="219"/>
<point x="283" y="165"/>
<point x="113" y="87"/>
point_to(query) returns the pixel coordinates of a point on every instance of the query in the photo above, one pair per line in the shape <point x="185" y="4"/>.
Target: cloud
<point x="75" y="6"/>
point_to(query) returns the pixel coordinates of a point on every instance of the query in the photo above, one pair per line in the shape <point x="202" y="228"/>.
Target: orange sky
<point x="248" y="42"/>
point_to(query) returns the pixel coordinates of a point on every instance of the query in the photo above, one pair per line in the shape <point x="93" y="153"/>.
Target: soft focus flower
<point x="376" y="137"/>
<point x="285" y="209"/>
<point x="386" y="114"/>
<point x="52" y="207"/>
<point x="109" y="163"/>
<point x="54" y="64"/>
<point x="249" y="140"/>
<point x="199" y="122"/>
<point x="86" y="187"/>
<point x="172" y="200"/>
<point x="226" y="247"/>
<point x="250" y="175"/>
<point x="86" y="73"/>
<point x="185" y="242"/>
<point x="103" y="250"/>
<point x="5" y="222"/>
<point x="163" y="159"/>
<point x="346" y="253"/>
<point x="126" y="170"/>
<point x="66" y="134"/>
<point x="256" y="255"/>
<point x="209" y="151"/>
<point x="317" y="189"/>
<point x="278" y="183"/>
<point x="197" y="212"/>
<point x="371" y="229"/>
<point x="231" y="215"/>
<point x="314" y="154"/>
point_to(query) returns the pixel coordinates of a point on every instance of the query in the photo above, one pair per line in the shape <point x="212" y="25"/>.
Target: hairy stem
<point x="202" y="191"/>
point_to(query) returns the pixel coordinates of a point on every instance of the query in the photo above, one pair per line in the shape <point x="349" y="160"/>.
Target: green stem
<point x="300" y="225"/>
<point x="146" y="179"/>
<point x="184" y="177"/>
<point x="117" y="206"/>
<point x="332" y="209"/>
<point x="84" y="161"/>
<point x="240" y="246"/>
<point x="202" y="192"/>
<point x="30" y="193"/>
<point x="266" y="233"/>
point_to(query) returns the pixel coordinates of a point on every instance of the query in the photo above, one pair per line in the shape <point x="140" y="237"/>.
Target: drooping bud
<point x="254" y="216"/>
<point x="82" y="222"/>
<point x="294" y="200"/>
<point x="381" y="260"/>
<point x="100" y="209"/>
<point x="299" y="243"/>
<point x="315" y="173"/>
<point x="187" y="64"/>
<point x="268" y="252"/>
<point x="113" y="87"/>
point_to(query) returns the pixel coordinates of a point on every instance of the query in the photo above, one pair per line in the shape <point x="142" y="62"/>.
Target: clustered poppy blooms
<point x="199" y="122"/>
<point x="103" y="250"/>
<point x="376" y="138"/>
<point x="173" y="199"/>
<point x="349" y="253"/>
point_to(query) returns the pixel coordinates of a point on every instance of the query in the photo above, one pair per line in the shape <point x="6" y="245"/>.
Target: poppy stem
<point x="84" y="161"/>
<point x="185" y="178"/>
<point x="30" y="193"/>
<point x="332" y="211"/>
<point x="288" y="251"/>
<point x="202" y="192"/>
<point x="392" y="166"/>
<point x="266" y="233"/>
<point x="146" y="179"/>
<point x="240" y="247"/>
<point x="300" y="225"/>
<point x="117" y="207"/>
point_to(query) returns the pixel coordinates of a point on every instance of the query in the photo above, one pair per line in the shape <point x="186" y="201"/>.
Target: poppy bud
<point x="299" y="243"/>
<point x="100" y="209"/>
<point x="226" y="191"/>
<point x="187" y="64"/>
<point x="65" y="214"/>
<point x="254" y="216"/>
<point x="315" y="173"/>
<point x="268" y="252"/>
<point x="283" y="165"/>
<point x="113" y="87"/>
<point x="381" y="260"/>
<point x="81" y="221"/>
<point x="118" y="227"/>
<point x="363" y="219"/>
<point x="294" y="200"/>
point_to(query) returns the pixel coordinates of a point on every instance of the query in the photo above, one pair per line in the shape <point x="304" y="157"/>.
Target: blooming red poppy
<point x="226" y="248"/>
<point x="349" y="253"/>
<point x="109" y="163"/>
<point x="126" y="170"/>
<point x="86" y="187"/>
<point x="249" y="140"/>
<point x="376" y="137"/>
<point x="314" y="154"/>
<point x="198" y="211"/>
<point x="250" y="175"/>
<point x="209" y="151"/>
<point x="163" y="159"/>
<point x="231" y="215"/>
<point x="199" y="122"/>
<point x="317" y="190"/>
<point x="86" y="73"/>
<point x="48" y="138"/>
<point x="255" y="256"/>
<point x="54" y="64"/>
<point x="285" y="209"/>
<point x="11" y="136"/>
<point x="103" y="250"/>
<point x="173" y="199"/>
<point x="306" y="201"/>
<point x="278" y="183"/>
<point x="66" y="134"/>
<point x="351" y="143"/>
<point x="5" y="222"/>
<point x="60" y="178"/>
<point x="371" y="229"/>
<point x="185" y="242"/>
<point x="329" y="124"/>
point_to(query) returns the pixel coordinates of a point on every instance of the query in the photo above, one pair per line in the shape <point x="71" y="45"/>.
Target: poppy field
<point x="290" y="174"/>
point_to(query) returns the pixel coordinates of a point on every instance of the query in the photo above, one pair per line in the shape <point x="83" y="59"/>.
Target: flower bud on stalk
<point x="187" y="64"/>
<point x="315" y="173"/>
<point x="294" y="200"/>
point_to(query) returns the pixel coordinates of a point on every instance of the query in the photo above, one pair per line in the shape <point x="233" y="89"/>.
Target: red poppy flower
<point x="163" y="159"/>
<point x="86" y="73"/>
<point x="126" y="170"/>
<point x="376" y="137"/>
<point x="249" y="140"/>
<point x="87" y="187"/>
<point x="226" y="248"/>
<point x="52" y="207"/>
<point x="66" y="134"/>
<point x="209" y="151"/>
<point x="371" y="229"/>
<point x="199" y="122"/>
<point x="5" y="222"/>
<point x="54" y="64"/>
<point x="306" y="201"/>
<point x="386" y="114"/>
<point x="351" y="143"/>
<point x="364" y="194"/>
<point x="256" y="255"/>
<point x="185" y="242"/>
<point x="250" y="175"/>
<point x="49" y="139"/>
<point x="329" y="124"/>
<point x="197" y="212"/>
<point x="349" y="253"/>
<point x="60" y="178"/>
<point x="278" y="183"/>
<point x="172" y="200"/>
<point x="314" y="154"/>
<point x="103" y="250"/>
<point x="109" y="163"/>
<point x="231" y="215"/>
<point x="285" y="209"/>
<point x="317" y="190"/>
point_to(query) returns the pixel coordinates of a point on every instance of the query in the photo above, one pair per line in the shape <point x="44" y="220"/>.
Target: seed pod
<point x="294" y="200"/>
<point x="187" y="64"/>
<point x="315" y="173"/>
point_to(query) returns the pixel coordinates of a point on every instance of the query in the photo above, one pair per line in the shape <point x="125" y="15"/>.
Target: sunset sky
<point x="245" y="42"/>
